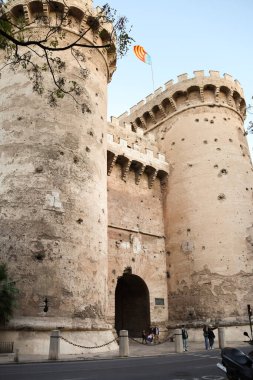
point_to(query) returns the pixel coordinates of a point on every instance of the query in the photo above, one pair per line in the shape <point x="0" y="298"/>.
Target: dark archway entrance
<point x="132" y="311"/>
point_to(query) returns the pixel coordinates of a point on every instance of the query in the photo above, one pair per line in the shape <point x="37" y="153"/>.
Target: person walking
<point x="185" y="338"/>
<point x="205" y="333"/>
<point x="150" y="338"/>
<point x="211" y="337"/>
<point x="144" y="337"/>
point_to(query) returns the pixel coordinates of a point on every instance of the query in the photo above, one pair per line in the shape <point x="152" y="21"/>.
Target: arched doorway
<point x="132" y="311"/>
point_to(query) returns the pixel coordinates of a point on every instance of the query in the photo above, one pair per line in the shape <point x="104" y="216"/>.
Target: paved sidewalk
<point x="135" y="350"/>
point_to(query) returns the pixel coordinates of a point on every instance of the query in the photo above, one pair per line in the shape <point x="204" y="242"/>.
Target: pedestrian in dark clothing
<point x="144" y="337"/>
<point x="205" y="333"/>
<point x="211" y="337"/>
<point x="185" y="338"/>
<point x="150" y="338"/>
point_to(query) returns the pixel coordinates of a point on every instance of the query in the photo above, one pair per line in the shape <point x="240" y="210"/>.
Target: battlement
<point x="75" y="15"/>
<point x="82" y="4"/>
<point x="186" y="93"/>
<point x="132" y="150"/>
<point x="133" y="137"/>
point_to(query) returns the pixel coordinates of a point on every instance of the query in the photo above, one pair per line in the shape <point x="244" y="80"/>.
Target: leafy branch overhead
<point x="37" y="41"/>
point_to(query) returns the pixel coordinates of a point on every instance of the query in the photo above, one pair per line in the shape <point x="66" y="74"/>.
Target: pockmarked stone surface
<point x="142" y="221"/>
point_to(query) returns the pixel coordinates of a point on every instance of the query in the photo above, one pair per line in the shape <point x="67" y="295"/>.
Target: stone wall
<point x="53" y="191"/>
<point x="137" y="176"/>
<point x="136" y="238"/>
<point x="198" y="124"/>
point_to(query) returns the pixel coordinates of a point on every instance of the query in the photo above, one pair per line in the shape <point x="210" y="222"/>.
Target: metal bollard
<point x="123" y="343"/>
<point x="178" y="341"/>
<point x="54" y="347"/>
<point x="16" y="355"/>
<point x="221" y="337"/>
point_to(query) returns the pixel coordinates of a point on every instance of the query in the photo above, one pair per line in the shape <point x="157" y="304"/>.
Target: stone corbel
<point x="111" y="161"/>
<point x="83" y="25"/>
<point x="143" y="122"/>
<point x="134" y="125"/>
<point x="201" y="93"/>
<point x="217" y="93"/>
<point x="230" y="99"/>
<point x="238" y="104"/>
<point x="45" y="9"/>
<point x="173" y="104"/>
<point x="125" y="166"/>
<point x="96" y="34"/>
<point x="162" y="110"/>
<point x="138" y="173"/>
<point x="8" y="15"/>
<point x="151" y="177"/>
<point x="65" y="20"/>
<point x="26" y="13"/>
<point x="163" y="177"/>
<point x="152" y="117"/>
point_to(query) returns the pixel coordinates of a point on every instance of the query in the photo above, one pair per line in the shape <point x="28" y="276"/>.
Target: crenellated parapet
<point x="187" y="93"/>
<point x="76" y="16"/>
<point x="134" y="151"/>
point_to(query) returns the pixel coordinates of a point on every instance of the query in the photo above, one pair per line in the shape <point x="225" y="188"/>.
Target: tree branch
<point x="50" y="48"/>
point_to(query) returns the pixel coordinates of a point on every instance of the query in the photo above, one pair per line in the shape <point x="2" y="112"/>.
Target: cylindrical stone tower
<point x="208" y="223"/>
<point x="208" y="204"/>
<point x="53" y="201"/>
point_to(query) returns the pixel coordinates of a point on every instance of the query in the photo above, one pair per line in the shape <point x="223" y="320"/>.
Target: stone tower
<point x="53" y="193"/>
<point x="198" y="124"/>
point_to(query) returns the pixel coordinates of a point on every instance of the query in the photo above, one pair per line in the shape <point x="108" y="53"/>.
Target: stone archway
<point x="132" y="308"/>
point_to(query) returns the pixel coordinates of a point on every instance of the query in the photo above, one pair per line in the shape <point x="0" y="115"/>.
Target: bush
<point x="8" y="295"/>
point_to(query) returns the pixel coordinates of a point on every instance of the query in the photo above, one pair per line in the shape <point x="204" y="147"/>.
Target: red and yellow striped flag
<point x="140" y="53"/>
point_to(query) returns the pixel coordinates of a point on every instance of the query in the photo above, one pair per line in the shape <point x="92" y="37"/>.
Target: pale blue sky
<point x="182" y="36"/>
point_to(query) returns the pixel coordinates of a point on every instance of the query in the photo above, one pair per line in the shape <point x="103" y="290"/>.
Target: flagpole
<point x="144" y="57"/>
<point x="152" y="76"/>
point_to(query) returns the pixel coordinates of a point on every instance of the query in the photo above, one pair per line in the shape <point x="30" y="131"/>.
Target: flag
<point x="142" y="54"/>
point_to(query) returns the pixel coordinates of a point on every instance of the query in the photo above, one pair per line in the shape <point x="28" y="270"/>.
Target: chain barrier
<point x="168" y="339"/>
<point x="78" y="345"/>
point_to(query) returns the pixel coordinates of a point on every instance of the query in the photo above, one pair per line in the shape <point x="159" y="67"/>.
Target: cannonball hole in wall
<point x="39" y="169"/>
<point x="223" y="171"/>
<point x="40" y="256"/>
